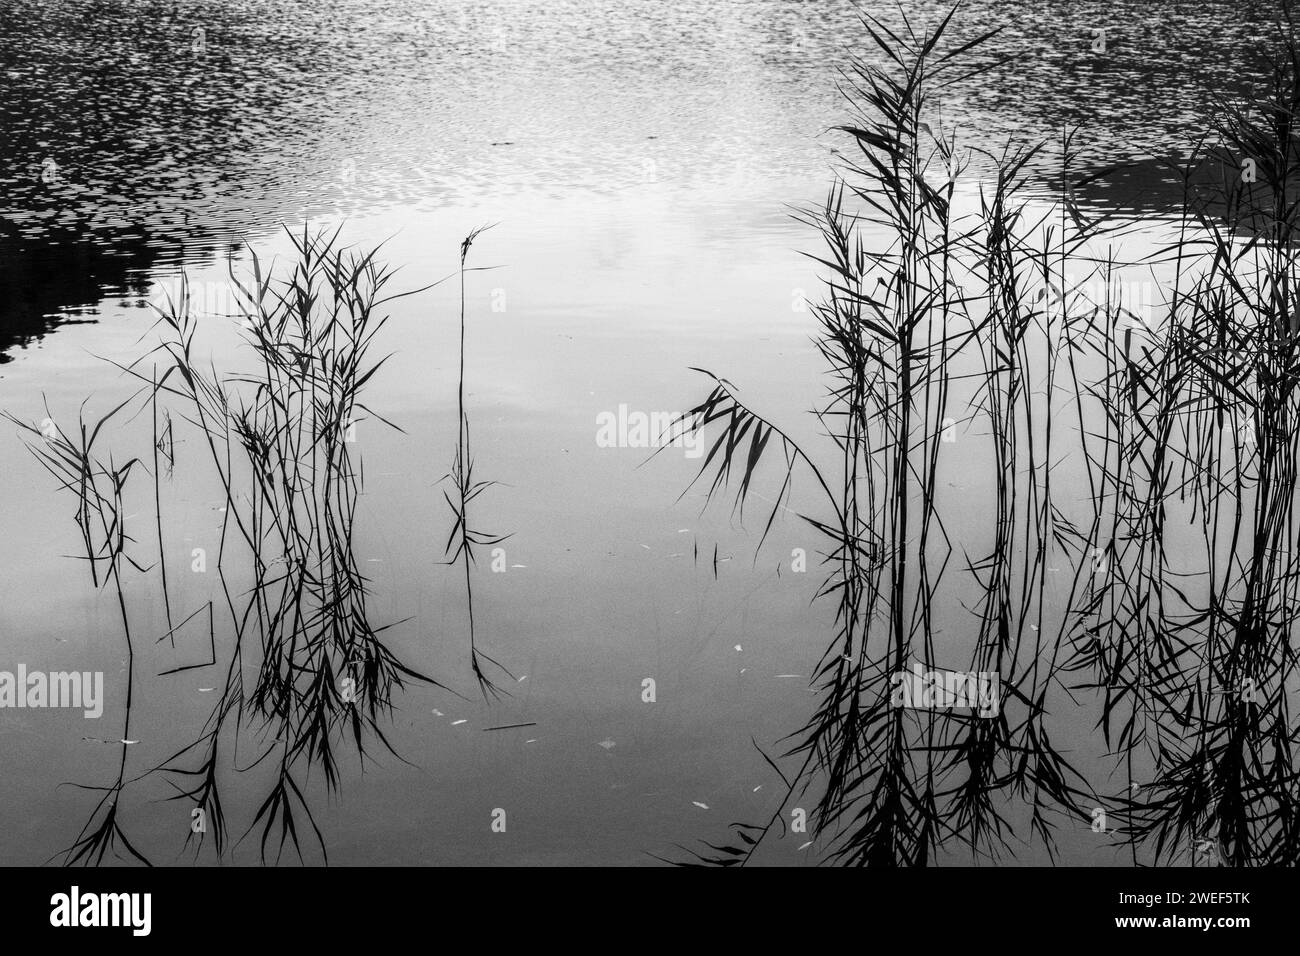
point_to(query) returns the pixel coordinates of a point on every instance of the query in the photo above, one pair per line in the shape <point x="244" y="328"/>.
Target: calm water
<point x="639" y="160"/>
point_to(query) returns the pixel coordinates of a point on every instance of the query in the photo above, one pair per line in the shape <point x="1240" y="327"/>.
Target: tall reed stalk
<point x="98" y="486"/>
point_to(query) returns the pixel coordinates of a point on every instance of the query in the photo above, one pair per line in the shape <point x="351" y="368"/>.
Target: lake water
<point x="639" y="161"/>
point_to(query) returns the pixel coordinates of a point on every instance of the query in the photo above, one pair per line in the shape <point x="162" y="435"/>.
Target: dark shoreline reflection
<point x="47" y="284"/>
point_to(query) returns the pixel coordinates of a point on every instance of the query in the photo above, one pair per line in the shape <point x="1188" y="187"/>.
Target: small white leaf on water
<point x="806" y="845"/>
<point x="437" y="713"/>
<point x="519" y="565"/>
<point x="524" y="678"/>
<point x="607" y="744"/>
<point x="533" y="741"/>
<point x="756" y="789"/>
<point x="128" y="742"/>
<point x="702" y="806"/>
<point x="739" y="648"/>
<point x="789" y="675"/>
<point x="455" y="723"/>
<point x="204" y="690"/>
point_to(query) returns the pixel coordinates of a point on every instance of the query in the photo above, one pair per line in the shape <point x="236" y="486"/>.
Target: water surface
<point x="640" y="160"/>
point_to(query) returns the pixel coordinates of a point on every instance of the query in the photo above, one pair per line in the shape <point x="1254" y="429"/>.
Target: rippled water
<point x="640" y="158"/>
<point x="138" y="133"/>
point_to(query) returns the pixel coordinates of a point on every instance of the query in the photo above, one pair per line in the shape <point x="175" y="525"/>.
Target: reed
<point x="324" y="672"/>
<point x="1189" y="639"/>
<point x="463" y="539"/>
<point x="98" y="485"/>
<point x="1183" y="662"/>
<point x="279" y="435"/>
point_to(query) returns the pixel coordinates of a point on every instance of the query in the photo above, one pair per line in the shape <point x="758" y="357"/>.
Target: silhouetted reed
<point x="280" y="438"/>
<point x="98" y="487"/>
<point x="1188" y="635"/>
<point x="997" y="316"/>
<point x="463" y="539"/>
<point x="323" y="671"/>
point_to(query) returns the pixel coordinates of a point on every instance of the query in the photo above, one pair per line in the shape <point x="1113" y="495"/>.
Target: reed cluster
<point x="995" y="339"/>
<point x="306" y="669"/>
